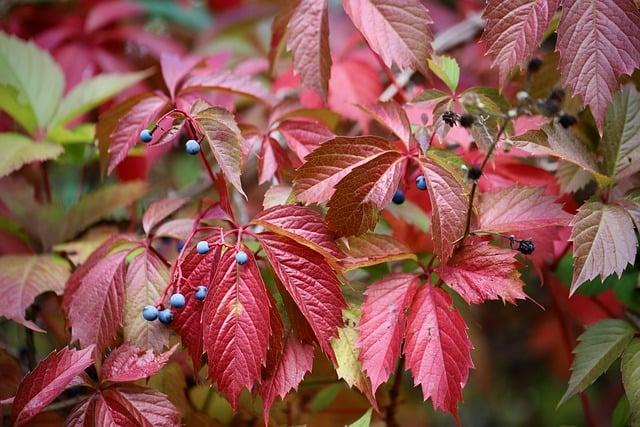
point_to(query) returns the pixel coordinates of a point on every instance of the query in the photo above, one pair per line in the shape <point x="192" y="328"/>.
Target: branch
<point x="390" y="416"/>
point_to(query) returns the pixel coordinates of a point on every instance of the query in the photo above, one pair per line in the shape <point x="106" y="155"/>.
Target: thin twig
<point x="390" y="416"/>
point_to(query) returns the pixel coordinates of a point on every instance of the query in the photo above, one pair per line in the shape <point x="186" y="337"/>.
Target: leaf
<point x="514" y="30"/>
<point x="598" y="41"/>
<point x="392" y="116"/>
<point x="479" y="271"/>
<point x="230" y="82"/>
<point x="225" y="140"/>
<point x="620" y="145"/>
<point x="447" y="70"/>
<point x="308" y="41"/>
<point x="631" y="379"/>
<point x="396" y="30"/>
<point x="604" y="242"/>
<point x="174" y="69"/>
<point x="382" y="326"/>
<point x="236" y="326"/>
<point x="310" y="282"/>
<point x="131" y="363"/>
<point x="520" y="208"/>
<point x="42" y="385"/>
<point x="364" y="420"/>
<point x="23" y="278"/>
<point x="571" y="177"/>
<point x="126" y="133"/>
<point x="434" y="96"/>
<point x="355" y="205"/>
<point x="304" y="136"/>
<point x="271" y="158"/>
<point x="90" y="93"/>
<point x="19" y="150"/>
<point x="370" y="249"/>
<point x="10" y="375"/>
<point x="147" y="276"/>
<point x="332" y="161"/>
<point x="437" y="348"/>
<point x="348" y="365"/>
<point x="279" y="32"/>
<point x="598" y="347"/>
<point x="35" y="80"/>
<point x="159" y="210"/>
<point x="449" y="198"/>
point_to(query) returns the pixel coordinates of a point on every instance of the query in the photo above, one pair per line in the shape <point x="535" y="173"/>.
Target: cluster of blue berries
<point x="398" y="196"/>
<point x="192" y="147"/>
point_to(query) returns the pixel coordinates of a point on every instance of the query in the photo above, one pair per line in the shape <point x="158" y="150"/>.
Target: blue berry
<point x="150" y="313"/>
<point x="165" y="316"/>
<point x="146" y="136"/>
<point x="398" y="197"/>
<point x="242" y="257"/>
<point x="202" y="247"/>
<point x="192" y="147"/>
<point x="421" y="183"/>
<point x="179" y="245"/>
<point x="201" y="293"/>
<point x="177" y="301"/>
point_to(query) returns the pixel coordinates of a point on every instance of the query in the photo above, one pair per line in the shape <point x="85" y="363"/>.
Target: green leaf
<point x="599" y="346"/>
<point x="620" y="416"/>
<point x="363" y="421"/>
<point x="325" y="397"/>
<point x="620" y="146"/>
<point x="18" y="150"/>
<point x="431" y="95"/>
<point x="630" y="367"/>
<point x="447" y="70"/>
<point x="81" y="134"/>
<point x="36" y="78"/>
<point x="90" y="93"/>
<point x="22" y="114"/>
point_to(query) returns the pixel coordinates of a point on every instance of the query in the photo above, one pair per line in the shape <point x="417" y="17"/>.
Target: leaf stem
<point x="390" y="416"/>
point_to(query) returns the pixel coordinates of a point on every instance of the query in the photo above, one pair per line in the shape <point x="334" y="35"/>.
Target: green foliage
<point x="631" y="379"/>
<point x="447" y="70"/>
<point x="19" y="150"/>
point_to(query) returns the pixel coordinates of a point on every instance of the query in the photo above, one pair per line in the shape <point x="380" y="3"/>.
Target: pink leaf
<point x="382" y="325"/>
<point x="159" y="210"/>
<point x="42" y="385"/>
<point x="437" y="348"/>
<point x="479" y="271"/>
<point x="110" y="12"/>
<point x="227" y="81"/>
<point x="236" y="326"/>
<point x="304" y="136"/>
<point x="598" y="41"/>
<point x="174" y="69"/>
<point x="370" y="249"/>
<point x="392" y="116"/>
<point x="271" y="160"/>
<point x="397" y="30"/>
<point x="131" y="363"/>
<point x="308" y="41"/>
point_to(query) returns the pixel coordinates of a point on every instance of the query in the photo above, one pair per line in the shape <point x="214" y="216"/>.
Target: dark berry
<point x="150" y="313"/>
<point x="474" y="173"/>
<point x="180" y="245"/>
<point x="398" y="197"/>
<point x="421" y="183"/>
<point x="242" y="257"/>
<point x="534" y="65"/>
<point x="165" y="316"/>
<point x="557" y="94"/>
<point x="467" y="120"/>
<point x="552" y="106"/>
<point x="567" y="120"/>
<point x="202" y="247"/>
<point x="526" y="247"/>
<point x="177" y="301"/>
<point x="201" y="293"/>
<point x="146" y="136"/>
<point x="192" y="147"/>
<point x="450" y="118"/>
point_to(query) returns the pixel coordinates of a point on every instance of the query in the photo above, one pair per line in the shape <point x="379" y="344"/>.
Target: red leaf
<point x="308" y="41"/>
<point x="479" y="271"/>
<point x="110" y="12"/>
<point x="10" y="375"/>
<point x="392" y="116"/>
<point x="42" y="385"/>
<point x="331" y="162"/>
<point x="304" y="136"/>
<point x="230" y="82"/>
<point x="437" y="348"/>
<point x="382" y="325"/>
<point x="236" y="326"/>
<point x="397" y="30"/>
<point x="514" y="30"/>
<point x="309" y="280"/>
<point x="370" y="249"/>
<point x="159" y="210"/>
<point x="598" y="41"/>
<point x="271" y="159"/>
<point x="174" y="69"/>
<point x="131" y="363"/>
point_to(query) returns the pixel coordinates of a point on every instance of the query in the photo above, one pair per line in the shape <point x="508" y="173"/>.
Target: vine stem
<point x="390" y="416"/>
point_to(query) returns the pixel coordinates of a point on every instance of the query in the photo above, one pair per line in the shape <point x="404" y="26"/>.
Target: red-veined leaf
<point x="42" y="385"/>
<point x="271" y="159"/>
<point x="370" y="249"/>
<point x="178" y="228"/>
<point x="304" y="136"/>
<point x="382" y="324"/>
<point x="159" y="210"/>
<point x="392" y="116"/>
<point x="437" y="348"/>
<point x="279" y="31"/>
<point x="174" y="69"/>
<point x="110" y="12"/>
<point x="620" y="145"/>
<point x="130" y="363"/>
<point x="227" y="81"/>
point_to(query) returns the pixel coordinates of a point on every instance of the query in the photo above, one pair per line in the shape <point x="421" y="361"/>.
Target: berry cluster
<point x="191" y="146"/>
<point x="452" y="118"/>
<point x="552" y="106"/>
<point x="399" y="197"/>
<point x="525" y="246"/>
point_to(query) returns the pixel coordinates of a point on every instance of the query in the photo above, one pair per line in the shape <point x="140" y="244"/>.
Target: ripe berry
<point x="450" y="118"/>
<point x="534" y="65"/>
<point x="146" y="136"/>
<point x="201" y="293"/>
<point x="150" y="313"/>
<point x="202" y="247"/>
<point x="474" y="173"/>
<point x="242" y="257"/>
<point x="421" y="183"/>
<point x="567" y="120"/>
<point x="165" y="316"/>
<point x="526" y="247"/>
<point x="467" y="120"/>
<point x="192" y="147"/>
<point x="398" y="197"/>
<point x="177" y="301"/>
